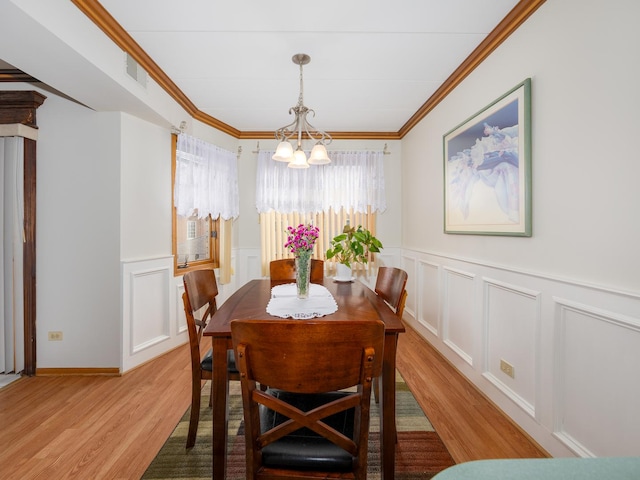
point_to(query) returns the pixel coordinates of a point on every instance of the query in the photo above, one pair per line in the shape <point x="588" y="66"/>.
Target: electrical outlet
<point x="507" y="368"/>
<point x="55" y="336"/>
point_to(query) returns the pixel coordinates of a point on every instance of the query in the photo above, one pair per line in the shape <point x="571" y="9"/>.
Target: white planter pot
<point x="343" y="273"/>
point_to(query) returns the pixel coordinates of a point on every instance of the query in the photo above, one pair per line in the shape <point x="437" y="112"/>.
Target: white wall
<point x="145" y="213"/>
<point x="77" y="235"/>
<point x="103" y="235"/>
<point x="152" y="321"/>
<point x="564" y="305"/>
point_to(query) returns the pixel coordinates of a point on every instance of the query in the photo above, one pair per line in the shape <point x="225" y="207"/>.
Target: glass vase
<point x="303" y="273"/>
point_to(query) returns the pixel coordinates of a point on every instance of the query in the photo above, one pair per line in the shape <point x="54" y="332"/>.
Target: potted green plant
<point x="352" y="246"/>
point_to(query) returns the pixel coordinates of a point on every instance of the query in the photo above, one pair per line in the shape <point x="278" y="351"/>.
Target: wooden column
<point x="19" y="107"/>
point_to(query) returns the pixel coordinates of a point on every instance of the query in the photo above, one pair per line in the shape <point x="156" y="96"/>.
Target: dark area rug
<point x="420" y="453"/>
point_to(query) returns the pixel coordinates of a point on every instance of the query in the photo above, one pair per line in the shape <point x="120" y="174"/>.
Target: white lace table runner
<point x="285" y="303"/>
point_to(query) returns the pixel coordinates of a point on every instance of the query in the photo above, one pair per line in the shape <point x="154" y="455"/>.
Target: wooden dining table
<point x="355" y="301"/>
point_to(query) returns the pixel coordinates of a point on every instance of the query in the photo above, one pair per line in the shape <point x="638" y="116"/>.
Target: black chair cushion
<point x="304" y="449"/>
<point x="207" y="361"/>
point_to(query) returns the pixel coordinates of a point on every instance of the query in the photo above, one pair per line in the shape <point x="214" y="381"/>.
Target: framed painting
<point x="487" y="169"/>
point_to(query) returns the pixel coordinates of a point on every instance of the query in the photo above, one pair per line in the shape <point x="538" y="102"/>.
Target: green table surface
<point x="605" y="468"/>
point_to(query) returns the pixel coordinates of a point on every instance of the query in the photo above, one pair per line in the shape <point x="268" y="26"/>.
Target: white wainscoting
<point x="249" y="265"/>
<point x="459" y="325"/>
<point x="511" y="320"/>
<point x="151" y="321"/>
<point x="428" y="276"/>
<point x="598" y="358"/>
<point x="574" y="348"/>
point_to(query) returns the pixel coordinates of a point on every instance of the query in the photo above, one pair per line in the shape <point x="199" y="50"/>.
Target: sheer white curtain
<point x="348" y="190"/>
<point x="206" y="179"/>
<point x="11" y="288"/>
<point x="352" y="181"/>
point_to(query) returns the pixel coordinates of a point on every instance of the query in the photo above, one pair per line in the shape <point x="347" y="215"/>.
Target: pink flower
<point x="301" y="238"/>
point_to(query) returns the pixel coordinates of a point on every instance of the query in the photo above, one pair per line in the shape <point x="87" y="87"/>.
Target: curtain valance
<point x="206" y="180"/>
<point x="353" y="180"/>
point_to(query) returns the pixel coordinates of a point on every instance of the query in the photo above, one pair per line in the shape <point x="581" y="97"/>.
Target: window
<point x="195" y="240"/>
<point x="349" y="190"/>
<point x="273" y="226"/>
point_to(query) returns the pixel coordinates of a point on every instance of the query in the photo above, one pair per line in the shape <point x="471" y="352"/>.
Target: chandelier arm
<point x="288" y="131"/>
<point x="313" y="133"/>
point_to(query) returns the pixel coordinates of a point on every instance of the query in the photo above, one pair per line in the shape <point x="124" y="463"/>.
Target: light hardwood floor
<point x="470" y="426"/>
<point x="112" y="427"/>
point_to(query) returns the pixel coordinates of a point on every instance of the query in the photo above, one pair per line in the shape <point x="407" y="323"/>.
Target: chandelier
<point x="300" y="126"/>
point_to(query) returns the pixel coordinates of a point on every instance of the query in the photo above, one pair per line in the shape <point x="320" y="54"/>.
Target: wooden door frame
<point x="19" y="107"/>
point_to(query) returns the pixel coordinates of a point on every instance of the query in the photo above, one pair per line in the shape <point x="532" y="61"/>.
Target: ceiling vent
<point x="135" y="71"/>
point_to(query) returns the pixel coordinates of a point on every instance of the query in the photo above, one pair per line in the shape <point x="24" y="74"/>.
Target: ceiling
<point x="374" y="64"/>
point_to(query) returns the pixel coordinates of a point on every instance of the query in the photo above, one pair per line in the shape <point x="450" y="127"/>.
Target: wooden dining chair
<point x="200" y="291"/>
<point x="391" y="285"/>
<point x="284" y="270"/>
<point x="305" y="425"/>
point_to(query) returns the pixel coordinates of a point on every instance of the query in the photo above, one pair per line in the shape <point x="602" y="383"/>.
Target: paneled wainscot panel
<point x="597" y="380"/>
<point x="409" y="266"/>
<point x="458" y="327"/>
<point x="512" y="326"/>
<point x="429" y="302"/>
<point x="148" y="311"/>
<point x="180" y="317"/>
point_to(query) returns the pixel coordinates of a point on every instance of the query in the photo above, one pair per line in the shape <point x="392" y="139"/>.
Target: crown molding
<point x="101" y="17"/>
<point x="14" y="75"/>
<point x="516" y="17"/>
